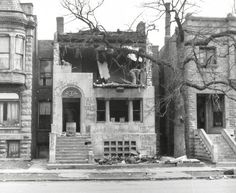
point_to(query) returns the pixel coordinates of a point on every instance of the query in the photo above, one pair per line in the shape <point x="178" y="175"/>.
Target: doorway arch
<point x="71" y="108"/>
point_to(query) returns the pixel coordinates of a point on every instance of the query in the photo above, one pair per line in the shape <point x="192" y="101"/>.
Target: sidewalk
<point x="37" y="170"/>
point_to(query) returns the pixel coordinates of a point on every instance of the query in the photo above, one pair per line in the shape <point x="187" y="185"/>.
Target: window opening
<point x="19" y="50"/>
<point x="45" y="73"/>
<point x="4" y="52"/>
<point x="13" y="148"/>
<point x="119" y="110"/>
<point x="207" y="56"/>
<point x="45" y="115"/>
<point x="137" y="110"/>
<point x="101" y="110"/>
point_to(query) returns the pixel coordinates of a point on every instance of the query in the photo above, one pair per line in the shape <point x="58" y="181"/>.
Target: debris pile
<point x="137" y="158"/>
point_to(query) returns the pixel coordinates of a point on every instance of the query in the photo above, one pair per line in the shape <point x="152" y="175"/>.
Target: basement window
<point x="119" y="148"/>
<point x="118" y="110"/>
<point x="13" y="148"/>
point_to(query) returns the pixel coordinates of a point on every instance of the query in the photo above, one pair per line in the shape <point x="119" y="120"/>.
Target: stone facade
<point x="16" y="139"/>
<point x="223" y="69"/>
<point x="104" y="135"/>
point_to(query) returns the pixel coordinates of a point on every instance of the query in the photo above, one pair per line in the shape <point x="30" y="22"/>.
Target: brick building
<point x="17" y="54"/>
<point x="210" y="112"/>
<point x="98" y="107"/>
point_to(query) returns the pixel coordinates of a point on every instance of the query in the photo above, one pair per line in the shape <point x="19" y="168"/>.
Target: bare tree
<point x="187" y="41"/>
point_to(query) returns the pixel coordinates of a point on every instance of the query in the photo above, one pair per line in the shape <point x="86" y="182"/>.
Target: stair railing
<point x="209" y="145"/>
<point x="230" y="141"/>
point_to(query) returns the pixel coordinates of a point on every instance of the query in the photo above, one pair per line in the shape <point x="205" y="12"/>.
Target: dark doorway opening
<point x="71" y="112"/>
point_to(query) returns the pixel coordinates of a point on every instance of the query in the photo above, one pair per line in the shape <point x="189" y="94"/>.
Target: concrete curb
<point x="120" y="179"/>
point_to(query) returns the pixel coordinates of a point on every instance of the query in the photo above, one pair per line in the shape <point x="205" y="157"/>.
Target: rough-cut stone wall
<point x="23" y="132"/>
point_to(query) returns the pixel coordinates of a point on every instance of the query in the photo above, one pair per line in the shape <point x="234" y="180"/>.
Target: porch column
<point x="130" y="111"/>
<point x="107" y="111"/>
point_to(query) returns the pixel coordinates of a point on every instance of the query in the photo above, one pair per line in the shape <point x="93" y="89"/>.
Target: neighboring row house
<point x="210" y="112"/>
<point x="17" y="54"/>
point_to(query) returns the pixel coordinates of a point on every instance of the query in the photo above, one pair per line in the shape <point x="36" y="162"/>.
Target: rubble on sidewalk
<point x="136" y="157"/>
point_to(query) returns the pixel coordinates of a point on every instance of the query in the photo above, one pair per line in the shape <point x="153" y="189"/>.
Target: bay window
<point x="9" y="109"/>
<point x="4" y="52"/>
<point x="19" y="53"/>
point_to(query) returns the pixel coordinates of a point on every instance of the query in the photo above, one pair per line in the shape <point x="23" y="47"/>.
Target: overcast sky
<point x="115" y="14"/>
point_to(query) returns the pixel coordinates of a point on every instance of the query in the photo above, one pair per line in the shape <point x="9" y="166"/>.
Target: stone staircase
<point x="224" y="152"/>
<point x="73" y="149"/>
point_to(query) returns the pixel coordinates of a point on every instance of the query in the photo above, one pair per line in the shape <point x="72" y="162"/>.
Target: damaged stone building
<point x="17" y="55"/>
<point x="210" y="113"/>
<point x="102" y="97"/>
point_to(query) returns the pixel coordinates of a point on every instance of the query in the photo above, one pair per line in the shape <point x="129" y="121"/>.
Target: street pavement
<point x="173" y="186"/>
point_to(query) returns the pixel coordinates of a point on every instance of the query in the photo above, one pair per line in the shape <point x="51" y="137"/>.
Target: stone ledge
<point x="8" y="77"/>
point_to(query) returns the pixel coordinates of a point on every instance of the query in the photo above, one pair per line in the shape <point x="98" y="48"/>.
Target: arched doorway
<point x="71" y="103"/>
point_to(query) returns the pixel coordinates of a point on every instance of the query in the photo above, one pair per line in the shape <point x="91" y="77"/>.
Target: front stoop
<point x="73" y="149"/>
<point x="225" y="153"/>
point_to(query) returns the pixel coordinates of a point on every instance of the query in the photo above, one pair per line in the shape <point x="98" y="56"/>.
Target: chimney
<point x="60" y="25"/>
<point x="27" y="8"/>
<point x="141" y="28"/>
<point x="167" y="20"/>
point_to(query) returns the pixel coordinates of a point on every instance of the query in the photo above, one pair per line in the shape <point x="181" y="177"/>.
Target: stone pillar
<point x="107" y="111"/>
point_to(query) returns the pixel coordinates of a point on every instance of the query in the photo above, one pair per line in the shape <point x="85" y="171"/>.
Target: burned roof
<point x="121" y="37"/>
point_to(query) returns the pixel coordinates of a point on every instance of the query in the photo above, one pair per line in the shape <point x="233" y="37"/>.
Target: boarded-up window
<point x="13" y="149"/>
<point x="45" y="73"/>
<point x="4" y="52"/>
<point x="101" y="110"/>
<point x="19" y="56"/>
<point x="45" y="115"/>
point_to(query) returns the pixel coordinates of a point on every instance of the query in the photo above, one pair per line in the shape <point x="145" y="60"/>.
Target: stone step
<point x="73" y="161"/>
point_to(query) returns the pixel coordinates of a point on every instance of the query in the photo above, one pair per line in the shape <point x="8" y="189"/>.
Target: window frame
<point x="19" y="54"/>
<point x="9" y="51"/>
<point x="7" y="124"/>
<point x="130" y="110"/>
<point x="39" y="102"/>
<point x="203" y="60"/>
<point x="44" y="77"/>
<point x="102" y="110"/>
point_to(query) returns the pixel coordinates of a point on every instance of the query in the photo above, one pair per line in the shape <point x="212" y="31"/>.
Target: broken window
<point x="137" y="110"/>
<point x="9" y="109"/>
<point x="45" y="73"/>
<point x="118" y="110"/>
<point x="19" y="53"/>
<point x="101" y="110"/>
<point x="45" y="115"/>
<point x="4" y="52"/>
<point x="207" y="56"/>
